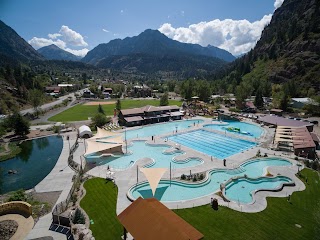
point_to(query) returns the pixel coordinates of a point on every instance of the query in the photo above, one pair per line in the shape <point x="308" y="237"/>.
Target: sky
<point x="79" y="26"/>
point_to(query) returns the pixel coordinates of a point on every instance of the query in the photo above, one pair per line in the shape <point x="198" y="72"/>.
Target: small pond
<point x="31" y="165"/>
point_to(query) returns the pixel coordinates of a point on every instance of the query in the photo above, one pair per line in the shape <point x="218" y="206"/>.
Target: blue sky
<point x="93" y="22"/>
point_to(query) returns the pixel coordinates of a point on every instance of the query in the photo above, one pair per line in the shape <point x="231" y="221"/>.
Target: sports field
<point x="83" y="112"/>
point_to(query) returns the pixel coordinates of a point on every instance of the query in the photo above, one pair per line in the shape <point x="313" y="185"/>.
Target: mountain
<point x="13" y="48"/>
<point x="152" y="42"/>
<point x="143" y="52"/>
<point x="288" y="52"/>
<point x="52" y="52"/>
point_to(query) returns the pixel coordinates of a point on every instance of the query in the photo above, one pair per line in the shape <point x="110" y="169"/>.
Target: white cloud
<point x="42" y="42"/>
<point x="182" y="13"/>
<point x="54" y="35"/>
<point x="278" y="3"/>
<point x="72" y="37"/>
<point x="235" y="36"/>
<point x="121" y="11"/>
<point x="80" y="53"/>
<point x="105" y="30"/>
<point x="67" y="39"/>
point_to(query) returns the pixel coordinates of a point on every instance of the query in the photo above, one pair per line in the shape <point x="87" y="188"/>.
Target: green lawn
<point x="277" y="221"/>
<point x="100" y="204"/>
<point x="82" y="112"/>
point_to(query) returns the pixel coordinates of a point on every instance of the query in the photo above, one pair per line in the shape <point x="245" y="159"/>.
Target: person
<point x="211" y="159"/>
<point x="224" y="162"/>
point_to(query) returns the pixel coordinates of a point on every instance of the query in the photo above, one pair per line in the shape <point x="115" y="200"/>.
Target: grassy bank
<point x="100" y="204"/>
<point x="277" y="221"/>
<point x="83" y="112"/>
<point x="14" y="150"/>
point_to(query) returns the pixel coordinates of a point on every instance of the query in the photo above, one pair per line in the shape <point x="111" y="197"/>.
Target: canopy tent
<point x="114" y="139"/>
<point x="147" y="219"/>
<point x="93" y="147"/>
<point x="153" y="176"/>
<point x="85" y="132"/>
<point x="102" y="133"/>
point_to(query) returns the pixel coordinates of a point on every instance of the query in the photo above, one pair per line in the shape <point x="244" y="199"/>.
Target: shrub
<point x="194" y="178"/>
<point x="183" y="177"/>
<point x="201" y="176"/>
<point x="307" y="163"/>
<point x="18" y="195"/>
<point x="315" y="165"/>
<point x="78" y="217"/>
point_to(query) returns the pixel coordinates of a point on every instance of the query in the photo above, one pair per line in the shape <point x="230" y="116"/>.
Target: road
<point x="48" y="105"/>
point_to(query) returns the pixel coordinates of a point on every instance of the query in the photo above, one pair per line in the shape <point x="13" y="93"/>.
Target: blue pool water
<point x="160" y="129"/>
<point x="33" y="163"/>
<point x="179" y="191"/>
<point x="212" y="144"/>
<point x="242" y="189"/>
<point x="139" y="150"/>
<point x="246" y="129"/>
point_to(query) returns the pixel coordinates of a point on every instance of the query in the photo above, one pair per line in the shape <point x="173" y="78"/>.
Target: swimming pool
<point x="239" y="128"/>
<point x="160" y="129"/>
<point x="139" y="150"/>
<point x="179" y="191"/>
<point x="242" y="189"/>
<point x="212" y="144"/>
<point x="33" y="163"/>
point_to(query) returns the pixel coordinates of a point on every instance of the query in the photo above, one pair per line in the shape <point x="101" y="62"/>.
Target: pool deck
<point x="127" y="178"/>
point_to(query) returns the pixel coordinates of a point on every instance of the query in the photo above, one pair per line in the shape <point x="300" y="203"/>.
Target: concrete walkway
<point x="24" y="225"/>
<point x="59" y="179"/>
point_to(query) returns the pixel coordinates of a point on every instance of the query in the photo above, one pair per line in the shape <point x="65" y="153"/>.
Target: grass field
<point x="82" y="112"/>
<point x="277" y="221"/>
<point x="100" y="204"/>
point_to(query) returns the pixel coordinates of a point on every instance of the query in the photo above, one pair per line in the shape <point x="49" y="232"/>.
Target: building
<point x="276" y="111"/>
<point x="272" y="120"/>
<point x="53" y="90"/>
<point x="107" y="92"/>
<point x="148" y="115"/>
<point x="147" y="219"/>
<point x="301" y="102"/>
<point x="296" y="139"/>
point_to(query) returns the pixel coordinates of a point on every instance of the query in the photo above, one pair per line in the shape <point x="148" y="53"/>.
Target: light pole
<point x="125" y="139"/>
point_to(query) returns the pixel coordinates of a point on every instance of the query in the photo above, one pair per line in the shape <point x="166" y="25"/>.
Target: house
<point x="88" y="94"/>
<point x="301" y="102"/>
<point x="53" y="90"/>
<point x="148" y="115"/>
<point x="107" y="92"/>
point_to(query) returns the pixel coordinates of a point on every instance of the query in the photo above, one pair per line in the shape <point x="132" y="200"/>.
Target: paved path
<point x="48" y="105"/>
<point x="24" y="225"/>
<point x="59" y="179"/>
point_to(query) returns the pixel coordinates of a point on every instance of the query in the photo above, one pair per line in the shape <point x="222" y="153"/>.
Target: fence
<point x="63" y="206"/>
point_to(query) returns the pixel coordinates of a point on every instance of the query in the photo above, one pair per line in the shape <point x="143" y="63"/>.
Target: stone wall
<point x="19" y="207"/>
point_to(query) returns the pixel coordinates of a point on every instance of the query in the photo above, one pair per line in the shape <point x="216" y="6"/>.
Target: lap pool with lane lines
<point x="212" y="144"/>
<point x="180" y="191"/>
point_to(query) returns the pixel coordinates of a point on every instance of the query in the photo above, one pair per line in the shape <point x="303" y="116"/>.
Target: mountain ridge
<point x="14" y="47"/>
<point x="152" y="42"/>
<point x="53" y="52"/>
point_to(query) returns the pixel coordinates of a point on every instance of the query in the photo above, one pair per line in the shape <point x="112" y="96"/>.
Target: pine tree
<point x="100" y="109"/>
